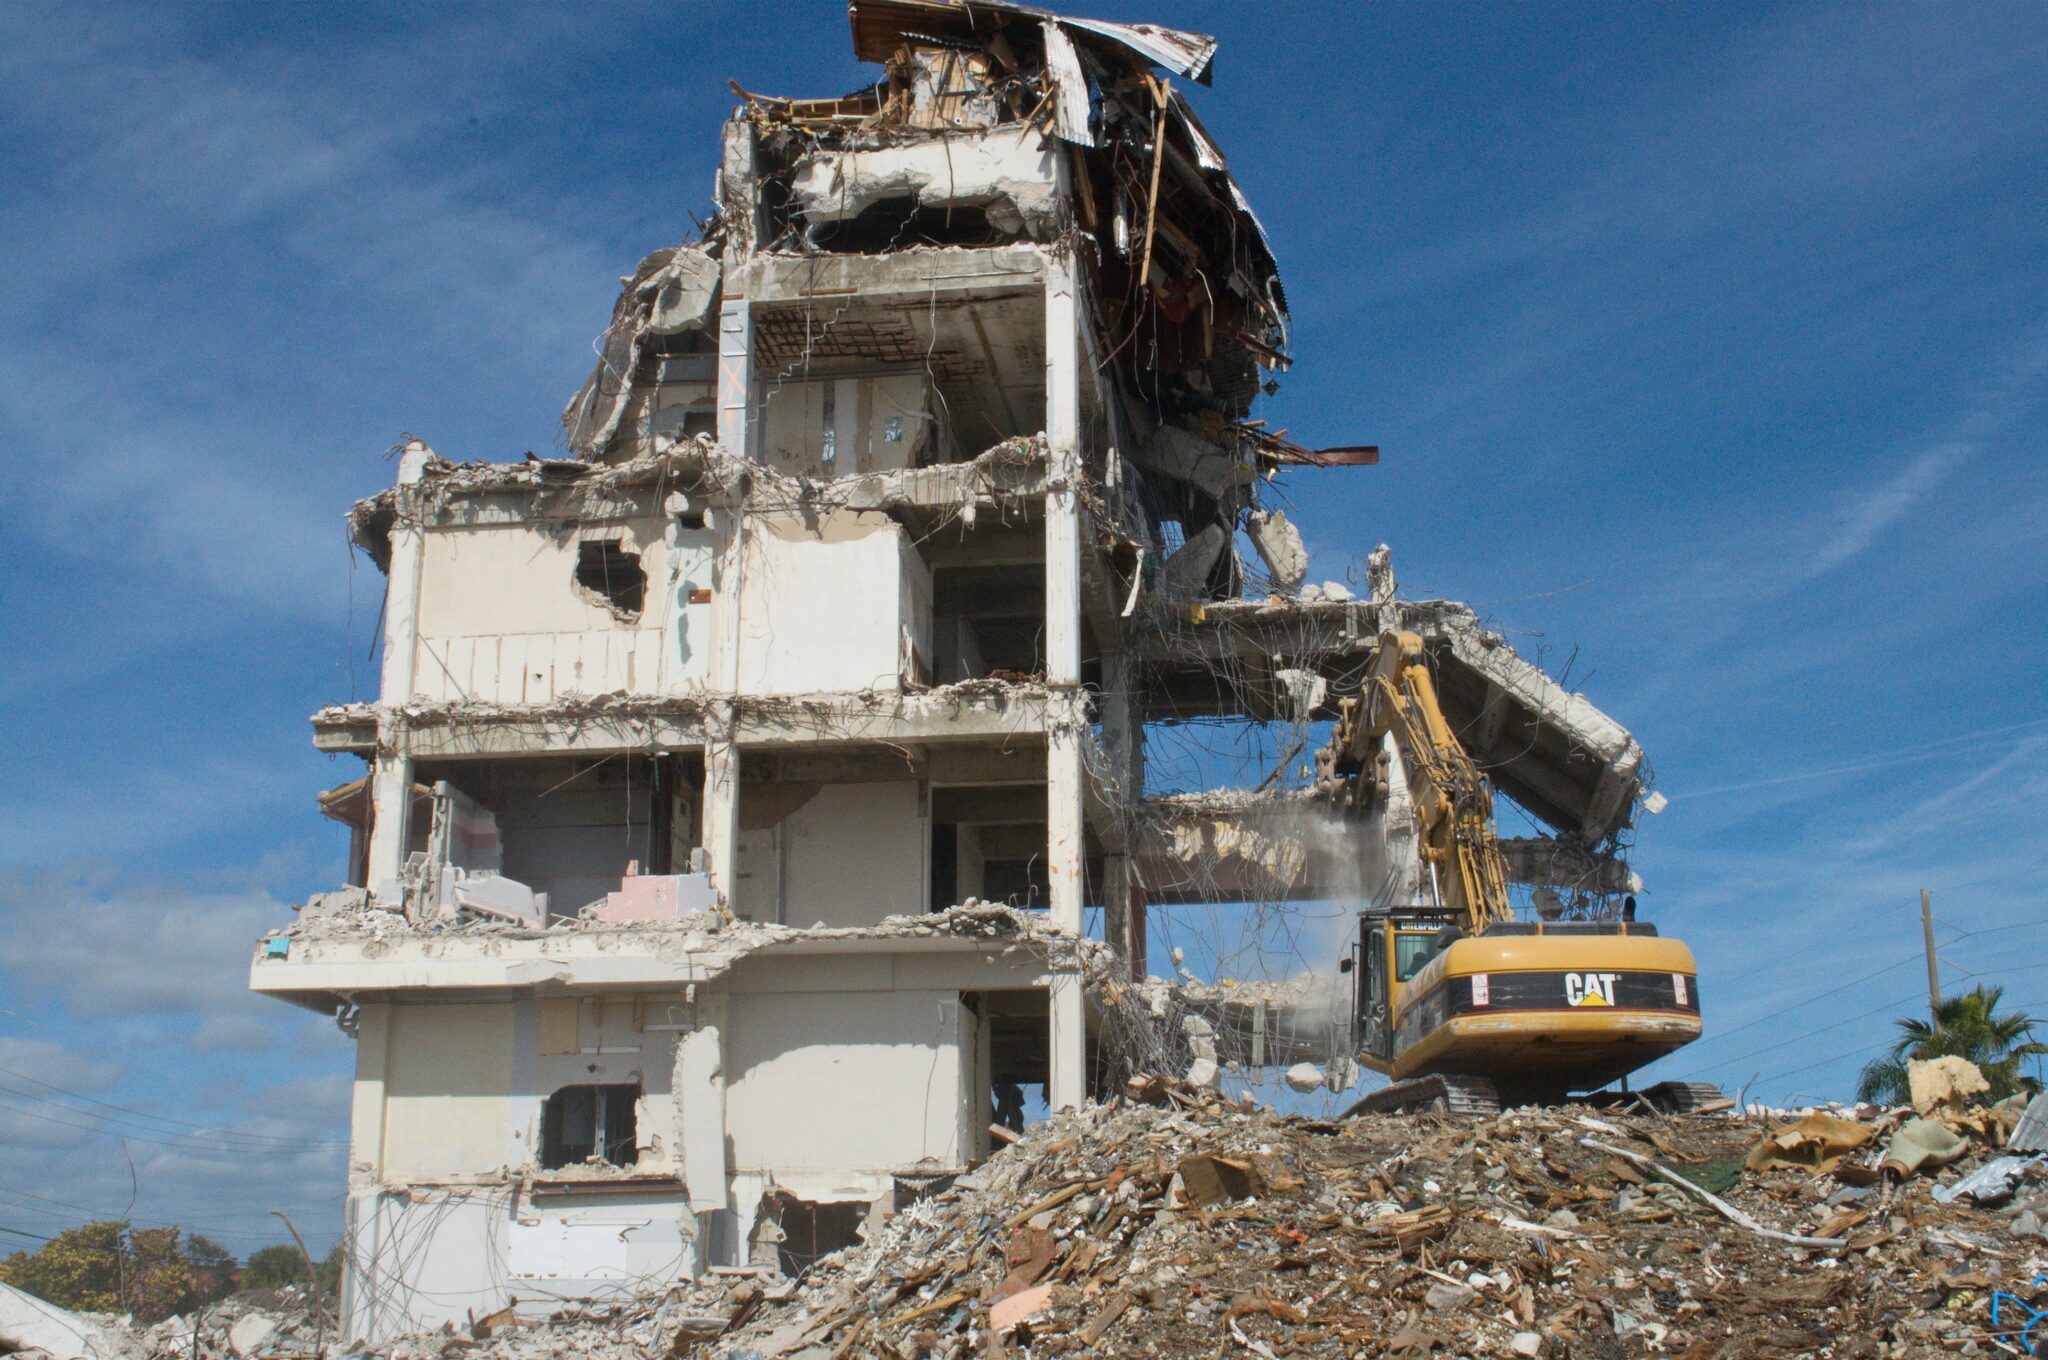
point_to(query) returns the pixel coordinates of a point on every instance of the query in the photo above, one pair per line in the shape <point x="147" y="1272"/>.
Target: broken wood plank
<point x="1052" y="1201"/>
<point x="1713" y="1201"/>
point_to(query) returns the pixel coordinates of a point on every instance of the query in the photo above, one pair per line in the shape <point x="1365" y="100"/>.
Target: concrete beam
<point x="1014" y="716"/>
<point x="950" y="272"/>
<point x="319" y="972"/>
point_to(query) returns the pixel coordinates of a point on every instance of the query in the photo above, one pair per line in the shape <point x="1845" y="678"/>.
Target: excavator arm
<point x="1453" y="801"/>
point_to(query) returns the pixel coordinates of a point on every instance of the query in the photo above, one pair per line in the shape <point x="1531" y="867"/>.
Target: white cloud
<point x="103" y="945"/>
<point x="33" y="1064"/>
<point x="313" y="185"/>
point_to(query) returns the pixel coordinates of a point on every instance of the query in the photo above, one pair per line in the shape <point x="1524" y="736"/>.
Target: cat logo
<point x="1590" y="989"/>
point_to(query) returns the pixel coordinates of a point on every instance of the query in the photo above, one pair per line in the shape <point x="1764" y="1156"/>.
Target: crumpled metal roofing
<point x="1184" y="54"/>
<point x="880" y="26"/>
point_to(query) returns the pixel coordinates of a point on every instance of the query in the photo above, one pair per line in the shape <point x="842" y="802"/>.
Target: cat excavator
<point x="1457" y="1001"/>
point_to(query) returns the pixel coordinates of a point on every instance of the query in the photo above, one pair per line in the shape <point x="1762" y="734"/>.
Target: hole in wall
<point x="810" y="1231"/>
<point x="608" y="571"/>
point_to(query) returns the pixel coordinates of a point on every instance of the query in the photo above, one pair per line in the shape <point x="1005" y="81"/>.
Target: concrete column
<point x="736" y="377"/>
<point x="1123" y="742"/>
<point x="722" y="803"/>
<point x="1067" y="717"/>
<point x="699" y="1085"/>
<point x="390" y="814"/>
<point x="391" y="784"/>
<point x="366" y="1099"/>
<point x="1067" y="1086"/>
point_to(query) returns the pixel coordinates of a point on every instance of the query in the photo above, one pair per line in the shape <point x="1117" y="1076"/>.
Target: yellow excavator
<point x="1462" y="1005"/>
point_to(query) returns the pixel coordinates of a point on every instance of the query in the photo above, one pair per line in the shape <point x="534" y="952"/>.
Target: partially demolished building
<point x="741" y="782"/>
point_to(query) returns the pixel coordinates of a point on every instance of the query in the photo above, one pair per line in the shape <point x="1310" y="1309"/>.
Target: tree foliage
<point x="109" y="1267"/>
<point x="276" y="1266"/>
<point x="1971" y="1027"/>
<point x="80" y="1268"/>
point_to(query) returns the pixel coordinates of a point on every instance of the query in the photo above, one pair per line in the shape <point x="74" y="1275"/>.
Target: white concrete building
<point x="738" y="781"/>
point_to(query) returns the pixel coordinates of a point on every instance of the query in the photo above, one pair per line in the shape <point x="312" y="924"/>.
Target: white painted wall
<point x="855" y="854"/>
<point x="501" y="619"/>
<point x="619" y="1037"/>
<point x="883" y="1071"/>
<point x="837" y="608"/>
<point x="447" y="1091"/>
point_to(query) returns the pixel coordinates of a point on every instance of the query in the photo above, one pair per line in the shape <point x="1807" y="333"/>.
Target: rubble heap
<point x="1200" y="1225"/>
<point x="1174" y="1222"/>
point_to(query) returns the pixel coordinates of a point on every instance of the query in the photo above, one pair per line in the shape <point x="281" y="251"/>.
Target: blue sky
<point x="1707" y="348"/>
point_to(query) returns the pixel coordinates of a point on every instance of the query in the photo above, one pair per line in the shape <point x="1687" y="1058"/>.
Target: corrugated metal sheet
<point x="1070" y="107"/>
<point x="880" y="26"/>
<point x="1184" y="54"/>
<point x="1206" y="151"/>
<point x="2031" y="1134"/>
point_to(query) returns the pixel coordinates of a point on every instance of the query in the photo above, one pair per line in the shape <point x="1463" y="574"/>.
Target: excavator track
<point x="1465" y="1097"/>
<point x="1686" y="1097"/>
<point x="1666" y="1097"/>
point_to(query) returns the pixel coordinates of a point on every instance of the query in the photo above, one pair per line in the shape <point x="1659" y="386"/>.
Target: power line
<point x="1962" y="934"/>
<point x="1822" y="1062"/>
<point x="107" y="1105"/>
<point x="1787" y="1010"/>
<point x="258" y="1142"/>
<point x="99" y="1216"/>
<point x="1867" y="1048"/>
<point x="192" y="1142"/>
<point x="1808" y="1034"/>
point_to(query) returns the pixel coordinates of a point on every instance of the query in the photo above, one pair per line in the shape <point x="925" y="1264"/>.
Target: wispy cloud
<point x="104" y="944"/>
<point x="2011" y="390"/>
<point x="292" y="192"/>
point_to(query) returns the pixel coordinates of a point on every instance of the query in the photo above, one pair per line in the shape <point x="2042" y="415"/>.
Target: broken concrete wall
<point x="571" y="828"/>
<point x="452" y="1092"/>
<point x="673" y="292"/>
<point x="573" y="837"/>
<point x="450" y="1215"/>
<point x="835" y="603"/>
<point x="1013" y="175"/>
<point x="1280" y="547"/>
<point x="517" y="611"/>
<point x="421" y="1259"/>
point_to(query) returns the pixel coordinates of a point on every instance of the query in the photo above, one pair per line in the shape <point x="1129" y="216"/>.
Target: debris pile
<point x="1173" y="1221"/>
<point x="1198" y="1224"/>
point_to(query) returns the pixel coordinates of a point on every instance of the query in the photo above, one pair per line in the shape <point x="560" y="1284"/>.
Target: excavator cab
<point x="1392" y="947"/>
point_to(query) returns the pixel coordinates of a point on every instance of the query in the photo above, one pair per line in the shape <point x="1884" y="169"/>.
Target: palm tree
<point x="1970" y="1028"/>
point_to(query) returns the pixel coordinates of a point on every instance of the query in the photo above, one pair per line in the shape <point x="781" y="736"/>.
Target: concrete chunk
<point x="1280" y="548"/>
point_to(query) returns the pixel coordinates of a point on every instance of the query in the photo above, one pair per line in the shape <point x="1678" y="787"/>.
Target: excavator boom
<point x="1458" y="1000"/>
<point x="1453" y="801"/>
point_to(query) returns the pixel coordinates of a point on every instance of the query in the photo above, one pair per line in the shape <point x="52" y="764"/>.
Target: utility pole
<point x="1933" y="977"/>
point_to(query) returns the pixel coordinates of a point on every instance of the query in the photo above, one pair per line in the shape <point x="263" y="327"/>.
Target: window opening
<point x="583" y="1124"/>
<point x="607" y="570"/>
